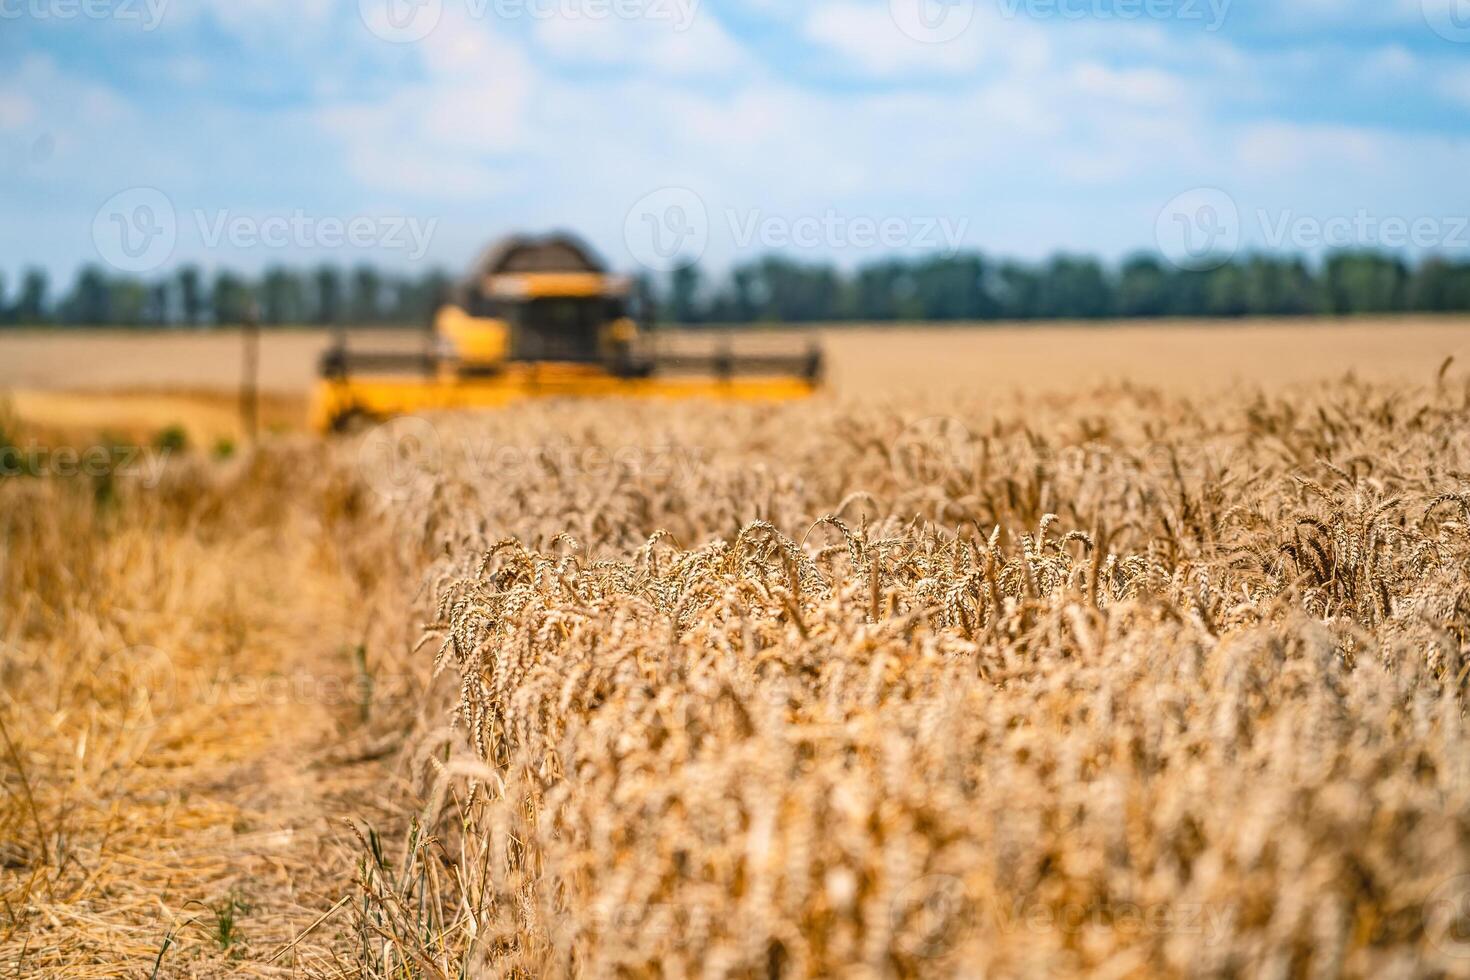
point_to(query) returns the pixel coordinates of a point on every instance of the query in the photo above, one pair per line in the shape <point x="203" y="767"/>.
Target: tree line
<point x="973" y="287"/>
<point x="776" y="289"/>
<point x="280" y="296"/>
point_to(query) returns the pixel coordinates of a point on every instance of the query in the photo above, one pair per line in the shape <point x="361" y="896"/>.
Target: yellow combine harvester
<point x="541" y="317"/>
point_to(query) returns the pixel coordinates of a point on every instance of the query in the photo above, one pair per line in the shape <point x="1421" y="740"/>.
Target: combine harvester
<point x="542" y="318"/>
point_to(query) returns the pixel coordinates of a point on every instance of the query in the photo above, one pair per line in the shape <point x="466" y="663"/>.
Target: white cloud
<point x="37" y="93"/>
<point x="1454" y="84"/>
<point x="1282" y="148"/>
<point x="866" y="36"/>
<point x="271" y="22"/>
<point x="661" y="44"/>
<point x="16" y="109"/>
<point x="187" y="71"/>
<point x="1133" y="86"/>
<point x="448" y="134"/>
<point x="1390" y="61"/>
<point x="1296" y="13"/>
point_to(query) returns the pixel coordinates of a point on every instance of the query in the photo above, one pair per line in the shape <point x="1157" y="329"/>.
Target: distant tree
<point x="31" y="305"/>
<point x="1297" y="291"/>
<point x="415" y="300"/>
<point x="1278" y="287"/>
<point x="438" y="286"/>
<point x="127" y="302"/>
<point x="793" y="292"/>
<point x="1440" y="286"/>
<point x="191" y="295"/>
<point x="734" y="301"/>
<point x="157" y="309"/>
<point x="1188" y="292"/>
<point x="953" y="288"/>
<point x="230" y="299"/>
<point x="743" y="295"/>
<point x="1143" y="288"/>
<point x="883" y="291"/>
<point x="328" y="295"/>
<point x="1074" y="288"/>
<point x="646" y="301"/>
<point x="282" y="297"/>
<point x="1225" y="291"/>
<point x="684" y="294"/>
<point x="1430" y="285"/>
<point x="1365" y="282"/>
<point x="367" y="295"/>
<point x="89" y="303"/>
<point x="1019" y="290"/>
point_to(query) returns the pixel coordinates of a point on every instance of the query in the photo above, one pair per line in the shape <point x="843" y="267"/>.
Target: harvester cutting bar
<point x="723" y="364"/>
<point x="341" y="363"/>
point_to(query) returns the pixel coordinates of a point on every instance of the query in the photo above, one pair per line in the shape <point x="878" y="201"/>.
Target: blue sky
<point x="1020" y="127"/>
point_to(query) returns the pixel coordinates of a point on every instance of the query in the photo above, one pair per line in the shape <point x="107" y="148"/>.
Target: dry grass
<point x="1111" y="682"/>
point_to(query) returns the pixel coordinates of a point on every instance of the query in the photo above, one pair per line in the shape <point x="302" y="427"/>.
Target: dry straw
<point x="1109" y="685"/>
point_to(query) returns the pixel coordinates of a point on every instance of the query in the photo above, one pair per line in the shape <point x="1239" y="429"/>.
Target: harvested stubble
<point x="1111" y="685"/>
<point x="170" y="655"/>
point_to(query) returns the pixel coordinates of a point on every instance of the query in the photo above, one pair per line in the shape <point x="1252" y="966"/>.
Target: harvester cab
<point x="541" y="317"/>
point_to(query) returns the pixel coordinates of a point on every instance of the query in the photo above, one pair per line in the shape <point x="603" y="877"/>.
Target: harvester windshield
<point x="561" y="328"/>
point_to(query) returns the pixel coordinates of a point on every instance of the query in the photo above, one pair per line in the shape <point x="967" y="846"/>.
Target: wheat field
<point x="140" y="380"/>
<point x="1114" y="679"/>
